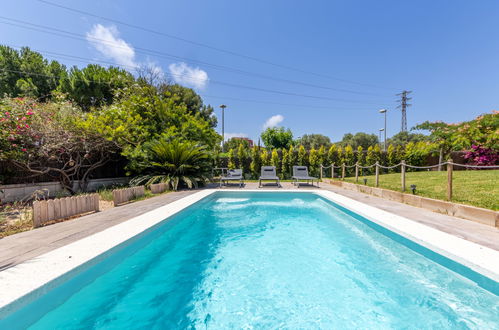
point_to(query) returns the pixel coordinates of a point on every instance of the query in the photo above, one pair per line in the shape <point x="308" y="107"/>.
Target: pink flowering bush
<point x="49" y="139"/>
<point x="16" y="118"/>
<point x="479" y="155"/>
<point x="482" y="131"/>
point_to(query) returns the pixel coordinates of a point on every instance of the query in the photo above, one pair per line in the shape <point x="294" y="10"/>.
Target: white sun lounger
<point x="233" y="175"/>
<point x="268" y="173"/>
<point x="300" y="173"/>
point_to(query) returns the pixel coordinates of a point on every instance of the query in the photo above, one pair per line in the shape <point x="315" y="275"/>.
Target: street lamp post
<point x="384" y="129"/>
<point x="223" y="106"/>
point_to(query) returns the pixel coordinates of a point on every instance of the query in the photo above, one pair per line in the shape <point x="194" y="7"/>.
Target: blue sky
<point x="356" y="54"/>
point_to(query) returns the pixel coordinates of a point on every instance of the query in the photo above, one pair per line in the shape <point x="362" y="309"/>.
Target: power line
<point x="86" y="59"/>
<point x="205" y="45"/>
<point x="283" y="104"/>
<point x="403" y="106"/>
<point x="221" y="97"/>
<point x="217" y="82"/>
<point x="72" y="35"/>
<point x="225" y="83"/>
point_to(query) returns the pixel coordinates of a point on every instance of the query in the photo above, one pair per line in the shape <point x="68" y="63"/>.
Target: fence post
<point x="332" y="171"/>
<point x="44" y="211"/>
<point x="74" y="206"/>
<point x="36" y="214"/>
<point x="377" y="174"/>
<point x="96" y="201"/>
<point x="50" y="209"/>
<point x="343" y="171"/>
<point x="64" y="207"/>
<point x="402" y="174"/>
<point x="449" y="179"/>
<point x="356" y="172"/>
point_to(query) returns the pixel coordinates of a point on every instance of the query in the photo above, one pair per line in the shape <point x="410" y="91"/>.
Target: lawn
<point x="477" y="188"/>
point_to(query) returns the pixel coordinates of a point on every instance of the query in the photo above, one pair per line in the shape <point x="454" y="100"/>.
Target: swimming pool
<point x="266" y="260"/>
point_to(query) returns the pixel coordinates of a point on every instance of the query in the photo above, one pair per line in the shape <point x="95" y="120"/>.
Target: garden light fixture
<point x="413" y="189"/>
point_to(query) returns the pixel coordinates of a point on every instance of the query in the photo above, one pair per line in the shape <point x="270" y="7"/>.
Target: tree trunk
<point x="440" y="159"/>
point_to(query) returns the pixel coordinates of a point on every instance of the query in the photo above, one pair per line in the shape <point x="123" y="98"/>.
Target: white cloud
<point x="106" y="40"/>
<point x="229" y="136"/>
<point x="188" y="76"/>
<point x="273" y="121"/>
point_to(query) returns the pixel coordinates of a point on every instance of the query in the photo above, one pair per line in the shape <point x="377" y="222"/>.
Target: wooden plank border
<point x="124" y="195"/>
<point x="61" y="208"/>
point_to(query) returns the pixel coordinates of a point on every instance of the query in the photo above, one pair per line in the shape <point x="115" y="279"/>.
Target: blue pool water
<point x="264" y="260"/>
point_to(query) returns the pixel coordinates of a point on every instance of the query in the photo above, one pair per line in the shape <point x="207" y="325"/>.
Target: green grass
<point x="106" y="194"/>
<point x="477" y="188"/>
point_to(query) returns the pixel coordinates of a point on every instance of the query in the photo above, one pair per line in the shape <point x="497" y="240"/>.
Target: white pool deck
<point x="21" y="279"/>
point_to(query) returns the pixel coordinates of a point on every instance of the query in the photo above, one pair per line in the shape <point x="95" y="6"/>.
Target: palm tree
<point x="174" y="162"/>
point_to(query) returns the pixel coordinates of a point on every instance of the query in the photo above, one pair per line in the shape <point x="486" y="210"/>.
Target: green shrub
<point x="174" y="162"/>
<point x="265" y="158"/>
<point x="275" y="160"/>
<point x="332" y="155"/>
<point x="360" y="156"/>
<point x="313" y="160"/>
<point x="285" y="164"/>
<point x="256" y="162"/>
<point x="302" y="156"/>
<point x="293" y="157"/>
<point x="232" y="159"/>
<point x="242" y="156"/>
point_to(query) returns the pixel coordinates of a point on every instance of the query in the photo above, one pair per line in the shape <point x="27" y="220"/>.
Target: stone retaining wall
<point x="476" y="214"/>
<point x="17" y="192"/>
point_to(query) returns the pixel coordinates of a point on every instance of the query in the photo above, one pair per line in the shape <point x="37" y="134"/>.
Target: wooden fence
<point x="60" y="208"/>
<point x="158" y="188"/>
<point x="121" y="196"/>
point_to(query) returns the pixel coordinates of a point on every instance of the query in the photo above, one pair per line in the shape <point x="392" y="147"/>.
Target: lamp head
<point x="382" y="111"/>
<point x="413" y="188"/>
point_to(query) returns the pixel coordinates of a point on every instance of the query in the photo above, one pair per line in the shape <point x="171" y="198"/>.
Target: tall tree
<point x="27" y="73"/>
<point x="142" y="114"/>
<point x="10" y="67"/>
<point x="316" y="141"/>
<point x="94" y="85"/>
<point x="234" y="143"/>
<point x="359" y="139"/>
<point x="277" y="137"/>
<point x="190" y="99"/>
<point x="404" y="137"/>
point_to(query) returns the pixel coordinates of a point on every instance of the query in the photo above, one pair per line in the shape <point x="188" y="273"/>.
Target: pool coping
<point x="28" y="280"/>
